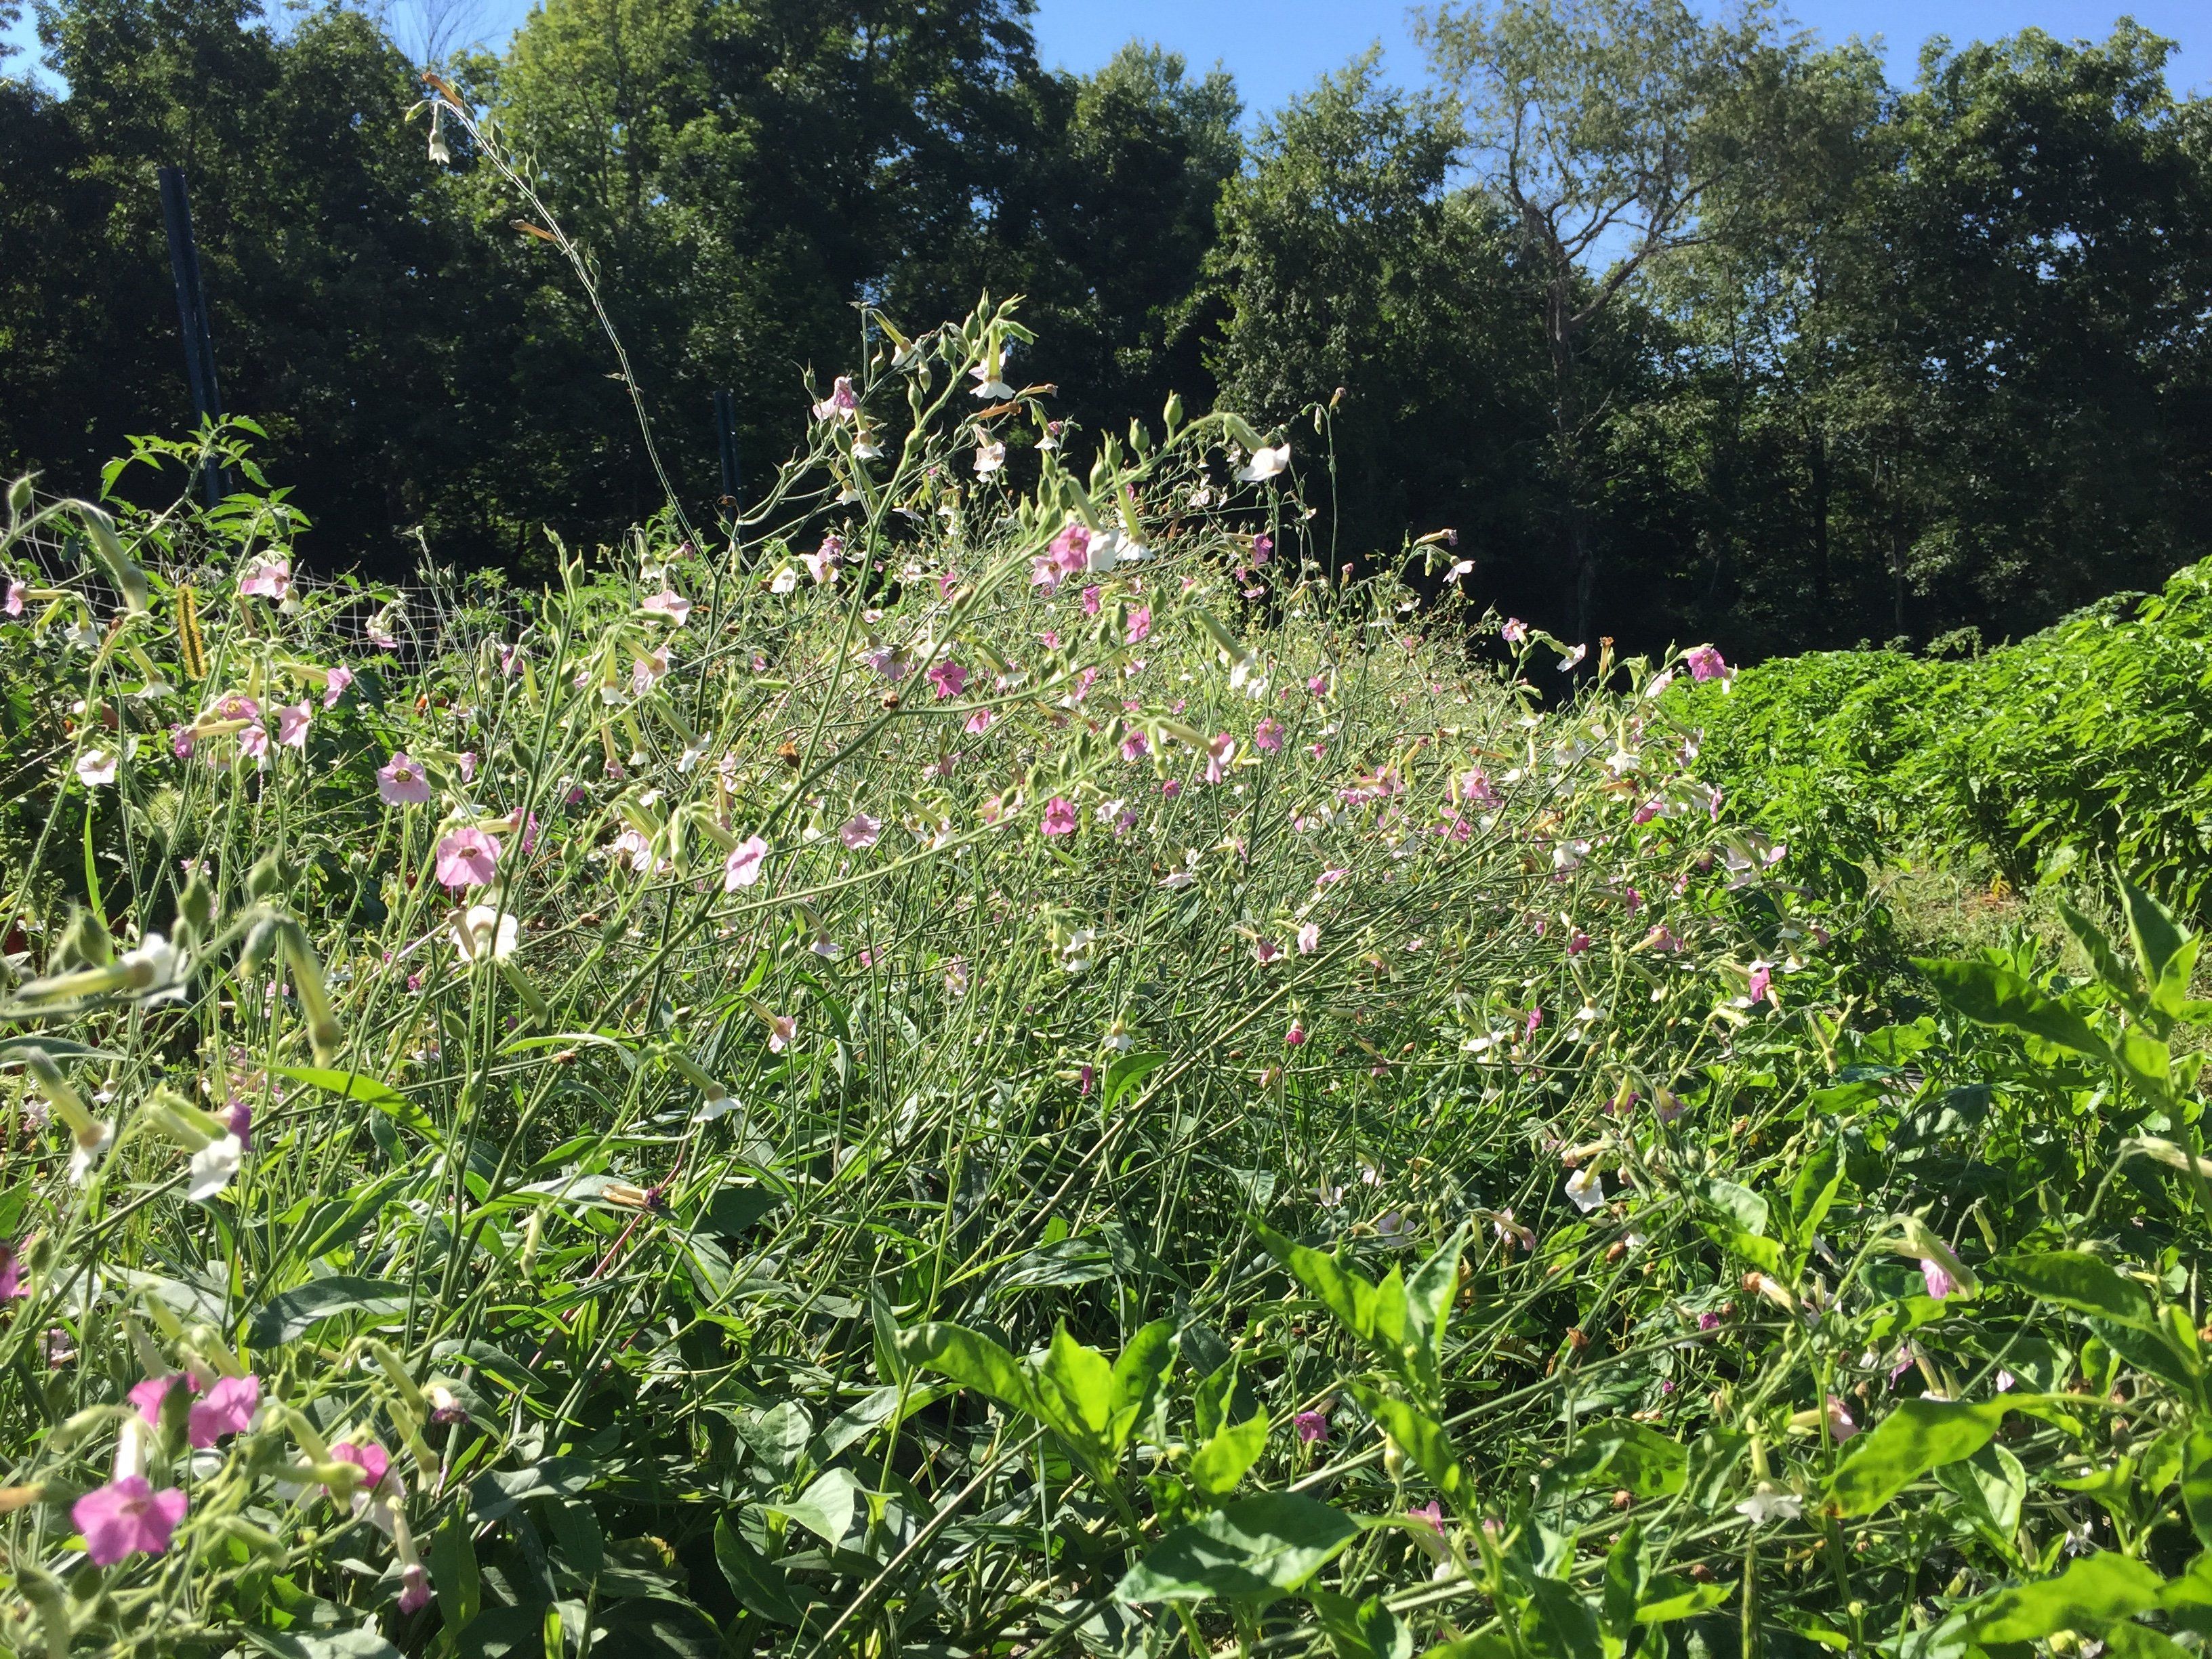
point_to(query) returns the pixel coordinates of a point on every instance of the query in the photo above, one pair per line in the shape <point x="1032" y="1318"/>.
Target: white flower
<point x="1585" y="1190"/>
<point x="156" y="963"/>
<point x="481" y="933"/>
<point x="785" y="579"/>
<point x="1768" y="1503"/>
<point x="1265" y="464"/>
<point x="213" y="1166"/>
<point x="1075" y="955"/>
<point x="95" y="767"/>
<point x="988" y="385"/>
<point x="989" y="458"/>
<point x="89" y="1146"/>
<point x="717" y="1105"/>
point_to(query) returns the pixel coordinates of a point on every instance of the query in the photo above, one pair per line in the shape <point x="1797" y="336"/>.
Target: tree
<point x="1594" y="126"/>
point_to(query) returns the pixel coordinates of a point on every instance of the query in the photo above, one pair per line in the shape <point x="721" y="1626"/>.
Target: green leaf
<point x="760" y="1585"/>
<point x="825" y="1508"/>
<point x="1075" y="1386"/>
<point x="2154" y="932"/>
<point x="1815" y="1189"/>
<point x="657" y="1625"/>
<point x="1137" y="1374"/>
<point x="1254" y="1551"/>
<point x="1671" y="1596"/>
<point x="2197" y="1482"/>
<point x="1563" y="1624"/>
<point x="1626" y="1570"/>
<point x="1419" y="1436"/>
<point x="1125" y="1074"/>
<point x="1920" y="1435"/>
<point x="352" y="1085"/>
<point x="1361" y="1630"/>
<point x="1993" y="995"/>
<point x="2093" y="1592"/>
<point x="1222" y="1462"/>
<point x="2099" y="949"/>
<point x="292" y="1315"/>
<point x="1343" y="1292"/>
<point x="1618" y="1454"/>
<point x="500" y="1492"/>
<point x="453" y="1570"/>
<point x="2076" y="1280"/>
<point x="1428" y="1312"/>
<point x="364" y="1643"/>
<point x="973" y="1361"/>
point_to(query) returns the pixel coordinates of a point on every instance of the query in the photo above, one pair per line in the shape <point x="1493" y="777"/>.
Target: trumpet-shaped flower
<point x="1267" y="736"/>
<point x="743" y="867"/>
<point x="989" y="458"/>
<point x="1059" y="817"/>
<point x="667" y="603"/>
<point x="335" y="682"/>
<point x="482" y="933"/>
<point x="292" y="722"/>
<point x="127" y="1518"/>
<point x="842" y="404"/>
<point x="403" y="782"/>
<point x="1266" y="463"/>
<point x="227" y="1408"/>
<point x="782" y="1032"/>
<point x="1140" y="625"/>
<point x="1310" y="1427"/>
<point x="1308" y="939"/>
<point x="949" y="678"/>
<point x="269" y="579"/>
<point x="466" y="859"/>
<point x="1706" y="663"/>
<point x="860" y="831"/>
<point x="821" y="563"/>
<point x="95" y="767"/>
<point x="212" y="1167"/>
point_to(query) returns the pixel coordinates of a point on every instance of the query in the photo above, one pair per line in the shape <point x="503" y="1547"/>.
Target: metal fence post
<point x="725" y="433"/>
<point x="192" y="318"/>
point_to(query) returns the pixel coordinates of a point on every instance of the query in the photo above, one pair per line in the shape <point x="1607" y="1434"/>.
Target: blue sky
<point x="1277" y="47"/>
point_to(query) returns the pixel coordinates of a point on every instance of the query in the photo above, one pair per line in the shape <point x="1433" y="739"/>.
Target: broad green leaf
<point x="760" y="1585"/>
<point x="2093" y="1592"/>
<point x="1625" y="1571"/>
<point x="498" y="1494"/>
<point x="1815" y="1189"/>
<point x="352" y="1085"/>
<point x="1343" y="1292"/>
<point x="2125" y="1639"/>
<point x="2099" y="949"/>
<point x="1361" y="1630"/>
<point x="1125" y="1074"/>
<point x="292" y="1315"/>
<point x="825" y="1508"/>
<point x="1671" y="1596"/>
<point x="1917" y="1436"/>
<point x="1419" y="1436"/>
<point x="1563" y="1627"/>
<point x="454" y="1570"/>
<point x="1993" y="995"/>
<point x="2154" y="932"/>
<point x="1137" y="1374"/>
<point x="1222" y="1462"/>
<point x="2076" y="1280"/>
<point x="1254" y="1550"/>
<point x="1075" y="1384"/>
<point x="973" y="1361"/>
<point x="366" y="1643"/>
<point x="1428" y="1311"/>
<point x="2197" y="1482"/>
<point x="1618" y="1454"/>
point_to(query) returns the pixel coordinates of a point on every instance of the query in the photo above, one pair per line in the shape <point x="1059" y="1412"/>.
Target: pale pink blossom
<point x="293" y="719"/>
<point x="465" y="859"/>
<point x="402" y="781"/>
<point x="334" y="685"/>
<point x="860" y="831"/>
<point x="743" y="867"/>
<point x="254" y="741"/>
<point x="1267" y="736"/>
<point x="1140" y="628"/>
<point x="782" y="1032"/>
<point x="227" y="1409"/>
<point x="1263" y="548"/>
<point x="95" y="767"/>
<point x="269" y="579"/>
<point x="15" y="602"/>
<point x="1308" y="939"/>
<point x="1135" y="746"/>
<point x="949" y="680"/>
<point x="1706" y="663"/>
<point x="667" y="603"/>
<point x="128" y="1518"/>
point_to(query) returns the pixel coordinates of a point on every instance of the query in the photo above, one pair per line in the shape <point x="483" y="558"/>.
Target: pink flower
<point x="1295" y="1035"/>
<point x="1059" y="817"/>
<point x="1534" y="1022"/>
<point x="1761" y="986"/>
<point x="1841" y="1424"/>
<point x="1171" y="787"/>
<point x="979" y="722"/>
<point x="182" y="742"/>
<point x="821" y="563"/>
<point x="127" y="1518"/>
<point x="949" y="678"/>
<point x="1269" y="735"/>
<point x="14" y="604"/>
<point x="1071" y="548"/>
<point x="840" y="404"/>
<point x="1310" y="1427"/>
<point x="147" y="1396"/>
<point x="782" y="1032"/>
<point x="1139" y="624"/>
<point x="860" y="831"/>
<point x="1578" y="943"/>
<point x="292" y="722"/>
<point x="414" y="1588"/>
<point x="270" y="579"/>
<point x="371" y="1459"/>
<point x="227" y="1409"/>
<point x="465" y="859"/>
<point x="1219" y="752"/>
<point x="1431" y="1514"/>
<point x="1091" y="600"/>
<point x="334" y="684"/>
<point x="1513" y="630"/>
<point x="402" y="782"/>
<point x="1318" y="685"/>
<point x="1263" y="548"/>
<point x="254" y="741"/>
<point x="743" y="867"/>
<point x="1308" y="939"/>
<point x="239" y="1120"/>
<point x="1704" y="662"/>
<point x="11" y="1274"/>
<point x="466" y="764"/>
<point x="1708" y="1321"/>
<point x="1940" y="1284"/>
<point x="1135" y="746"/>
<point x="669" y="603"/>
